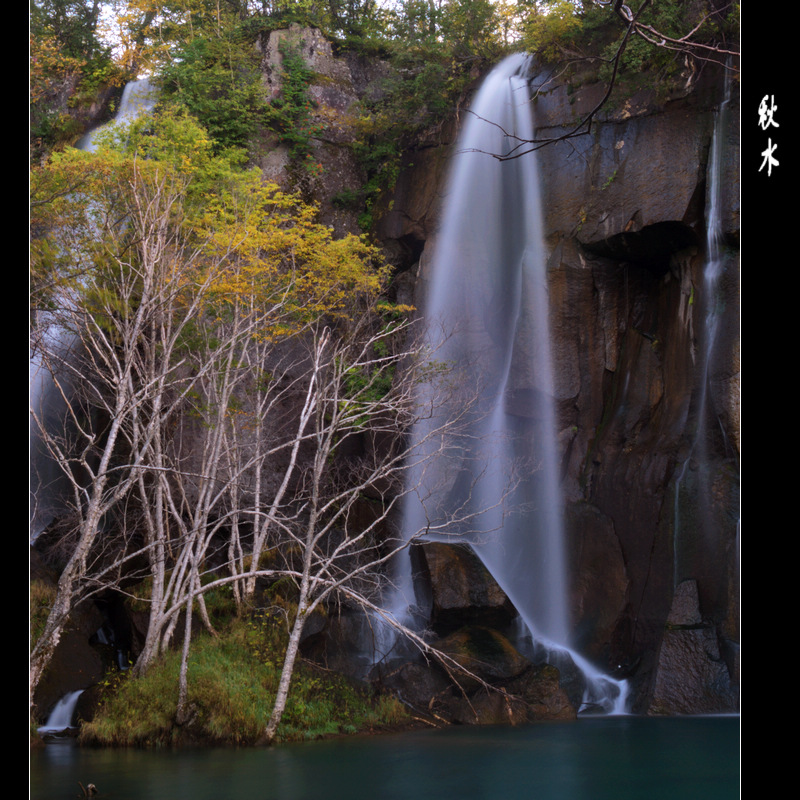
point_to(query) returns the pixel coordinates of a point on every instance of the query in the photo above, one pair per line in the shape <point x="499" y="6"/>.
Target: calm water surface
<point x="619" y="758"/>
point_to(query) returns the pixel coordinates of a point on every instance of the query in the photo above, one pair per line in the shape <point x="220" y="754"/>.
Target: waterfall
<point x="61" y="716"/>
<point x="712" y="272"/>
<point x="138" y="97"/>
<point x="486" y="315"/>
<point x="49" y="395"/>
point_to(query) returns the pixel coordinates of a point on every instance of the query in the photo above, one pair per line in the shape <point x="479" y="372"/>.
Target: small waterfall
<point x="698" y="457"/>
<point x="486" y="312"/>
<point x="138" y="97"/>
<point x="48" y="396"/>
<point x="61" y="716"/>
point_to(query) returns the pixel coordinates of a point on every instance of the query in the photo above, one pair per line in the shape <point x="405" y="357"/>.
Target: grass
<point x="41" y="599"/>
<point x="232" y="684"/>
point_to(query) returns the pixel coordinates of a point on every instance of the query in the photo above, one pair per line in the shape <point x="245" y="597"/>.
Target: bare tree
<point x="145" y="282"/>
<point x="361" y="387"/>
<point x="225" y="367"/>
<point x="105" y="450"/>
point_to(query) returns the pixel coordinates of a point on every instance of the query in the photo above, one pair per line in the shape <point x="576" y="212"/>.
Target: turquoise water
<point x="619" y="758"/>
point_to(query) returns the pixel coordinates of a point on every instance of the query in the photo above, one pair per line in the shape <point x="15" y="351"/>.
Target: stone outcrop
<point x="475" y="675"/>
<point x="462" y="590"/>
<point x="692" y="676"/>
<point x="337" y="85"/>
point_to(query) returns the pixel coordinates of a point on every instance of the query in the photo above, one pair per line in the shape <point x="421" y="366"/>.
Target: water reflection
<point x="617" y="758"/>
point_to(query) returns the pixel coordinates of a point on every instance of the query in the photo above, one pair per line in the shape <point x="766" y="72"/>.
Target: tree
<point x="198" y="318"/>
<point x="360" y="387"/>
<point x="569" y="32"/>
<point x="131" y="269"/>
<point x="69" y="61"/>
<point x="106" y="314"/>
<point x="73" y="24"/>
<point x="358" y="393"/>
<point x="218" y="335"/>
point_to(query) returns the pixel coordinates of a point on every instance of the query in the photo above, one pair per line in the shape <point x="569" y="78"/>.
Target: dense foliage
<point x="206" y="56"/>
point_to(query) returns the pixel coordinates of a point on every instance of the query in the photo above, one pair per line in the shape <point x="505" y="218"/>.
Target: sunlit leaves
<point x="217" y="79"/>
<point x="249" y="244"/>
<point x="549" y="26"/>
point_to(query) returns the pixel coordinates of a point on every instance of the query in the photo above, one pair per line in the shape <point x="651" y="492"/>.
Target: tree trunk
<point x="182" y="712"/>
<point x="286" y="674"/>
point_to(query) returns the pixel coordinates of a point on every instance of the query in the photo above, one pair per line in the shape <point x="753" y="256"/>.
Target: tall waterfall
<point x="698" y="456"/>
<point x="48" y="398"/>
<point x="486" y="312"/>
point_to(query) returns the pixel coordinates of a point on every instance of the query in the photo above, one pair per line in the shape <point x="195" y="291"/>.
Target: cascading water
<point x="61" y="716"/>
<point x="712" y="272"/>
<point x="138" y="97"/>
<point x="48" y="397"/>
<point x="486" y="312"/>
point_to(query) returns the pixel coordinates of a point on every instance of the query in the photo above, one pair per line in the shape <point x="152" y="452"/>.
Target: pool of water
<point x="618" y="758"/>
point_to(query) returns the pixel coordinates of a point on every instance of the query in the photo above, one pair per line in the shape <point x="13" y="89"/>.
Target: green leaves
<point x="218" y="80"/>
<point x="291" y="113"/>
<point x="549" y="31"/>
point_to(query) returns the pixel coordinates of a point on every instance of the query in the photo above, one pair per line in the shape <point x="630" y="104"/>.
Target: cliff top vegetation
<point x="203" y="50"/>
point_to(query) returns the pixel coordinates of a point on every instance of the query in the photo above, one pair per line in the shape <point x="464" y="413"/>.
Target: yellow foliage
<point x="243" y="247"/>
<point x="48" y="63"/>
<point x="549" y="27"/>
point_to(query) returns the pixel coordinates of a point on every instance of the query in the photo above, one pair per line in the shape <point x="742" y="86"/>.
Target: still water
<point x="619" y="758"/>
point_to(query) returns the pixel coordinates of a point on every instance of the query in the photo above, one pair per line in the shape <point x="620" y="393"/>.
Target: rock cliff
<point x="648" y="405"/>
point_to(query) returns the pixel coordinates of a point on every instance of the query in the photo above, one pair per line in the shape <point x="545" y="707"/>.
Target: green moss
<point x="232" y="683"/>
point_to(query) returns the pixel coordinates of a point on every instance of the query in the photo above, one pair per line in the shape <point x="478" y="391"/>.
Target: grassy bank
<point x="232" y="682"/>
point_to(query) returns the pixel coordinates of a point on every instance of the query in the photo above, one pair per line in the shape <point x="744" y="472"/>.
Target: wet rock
<point x="480" y="652"/>
<point x="541" y="691"/>
<point x="692" y="676"/>
<point x="462" y="589"/>
<point x="533" y="696"/>
<point x="599" y="586"/>
<point x="417" y="685"/>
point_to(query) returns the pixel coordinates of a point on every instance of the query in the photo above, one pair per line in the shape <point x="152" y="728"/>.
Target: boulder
<point x="692" y="677"/>
<point x="479" y="652"/>
<point x="462" y="589"/>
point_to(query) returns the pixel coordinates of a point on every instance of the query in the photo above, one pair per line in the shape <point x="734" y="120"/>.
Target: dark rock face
<point x="600" y="581"/>
<point x="463" y="591"/>
<point x="627" y="240"/>
<point x="75" y="664"/>
<point x="691" y="676"/>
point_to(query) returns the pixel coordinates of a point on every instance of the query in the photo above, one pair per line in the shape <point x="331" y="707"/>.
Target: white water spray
<point x="486" y="312"/>
<point x="61" y="716"/>
<point x="712" y="272"/>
